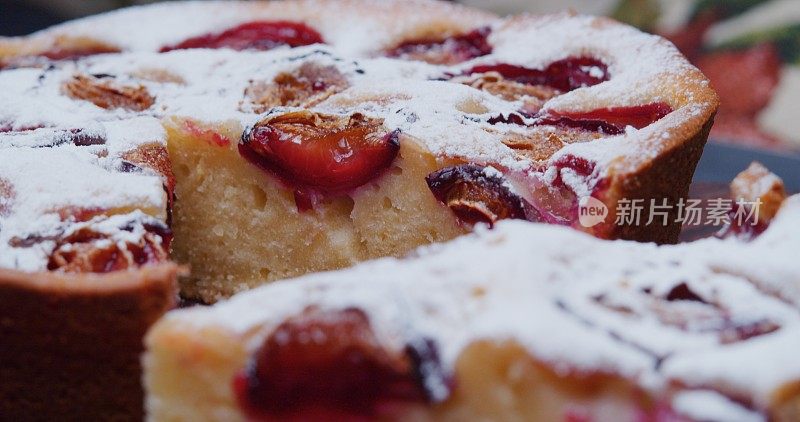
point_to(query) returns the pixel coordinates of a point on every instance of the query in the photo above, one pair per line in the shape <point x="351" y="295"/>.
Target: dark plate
<point x="721" y="163"/>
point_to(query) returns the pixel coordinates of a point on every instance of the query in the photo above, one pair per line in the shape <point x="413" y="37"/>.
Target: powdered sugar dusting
<point x="341" y="23"/>
<point x="587" y="305"/>
<point x="448" y="119"/>
<point x="706" y="405"/>
<point x="48" y="180"/>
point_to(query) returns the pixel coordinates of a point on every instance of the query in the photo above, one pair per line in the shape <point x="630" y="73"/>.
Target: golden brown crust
<point x="71" y="343"/>
<point x="785" y="403"/>
<point x="667" y="176"/>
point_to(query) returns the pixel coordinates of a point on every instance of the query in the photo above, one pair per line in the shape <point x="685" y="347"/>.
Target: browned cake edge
<point x="71" y="343"/>
<point x="668" y="176"/>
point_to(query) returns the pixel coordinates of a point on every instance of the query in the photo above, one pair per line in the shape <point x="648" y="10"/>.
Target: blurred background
<point x="750" y="49"/>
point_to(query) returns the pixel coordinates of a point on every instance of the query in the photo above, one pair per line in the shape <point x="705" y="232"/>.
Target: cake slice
<point x="522" y="322"/>
<point x="349" y="160"/>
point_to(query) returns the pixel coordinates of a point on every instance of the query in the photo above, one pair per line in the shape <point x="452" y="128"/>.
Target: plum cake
<point x="580" y="329"/>
<point x="254" y="141"/>
<point x="311" y="135"/>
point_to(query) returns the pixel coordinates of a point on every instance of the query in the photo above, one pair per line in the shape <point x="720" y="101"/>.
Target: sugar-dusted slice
<point x="522" y="322"/>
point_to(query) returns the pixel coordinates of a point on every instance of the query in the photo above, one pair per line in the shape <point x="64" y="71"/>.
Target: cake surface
<point x="580" y="328"/>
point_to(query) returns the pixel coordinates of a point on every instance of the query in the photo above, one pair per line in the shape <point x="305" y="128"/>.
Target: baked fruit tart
<point x="300" y="141"/>
<point x="579" y="330"/>
<point x="256" y="141"/>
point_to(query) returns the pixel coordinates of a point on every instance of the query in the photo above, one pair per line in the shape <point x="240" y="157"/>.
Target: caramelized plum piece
<point x="258" y="35"/>
<point x="79" y="214"/>
<point x="564" y="75"/>
<point x="83" y="138"/>
<point x="532" y="96"/>
<point x="104" y="92"/>
<point x="153" y="156"/>
<point x="580" y="165"/>
<point x="510" y="119"/>
<point x="12" y="128"/>
<point x="584" y="169"/>
<point x="682" y="292"/>
<point x="610" y="121"/>
<point x="330" y="364"/>
<point x="451" y="50"/>
<point x="561" y="187"/>
<point x="305" y="86"/>
<point x="638" y="116"/>
<point x="733" y="332"/>
<point x="321" y="152"/>
<point x="77" y="136"/>
<point x="588" y="125"/>
<point x="88" y="250"/>
<point x="478" y="194"/>
<point x="744" y="228"/>
<point x="684" y="308"/>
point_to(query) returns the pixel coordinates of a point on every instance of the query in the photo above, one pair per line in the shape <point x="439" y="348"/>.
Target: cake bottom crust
<point x="70" y="345"/>
<point x="667" y="177"/>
